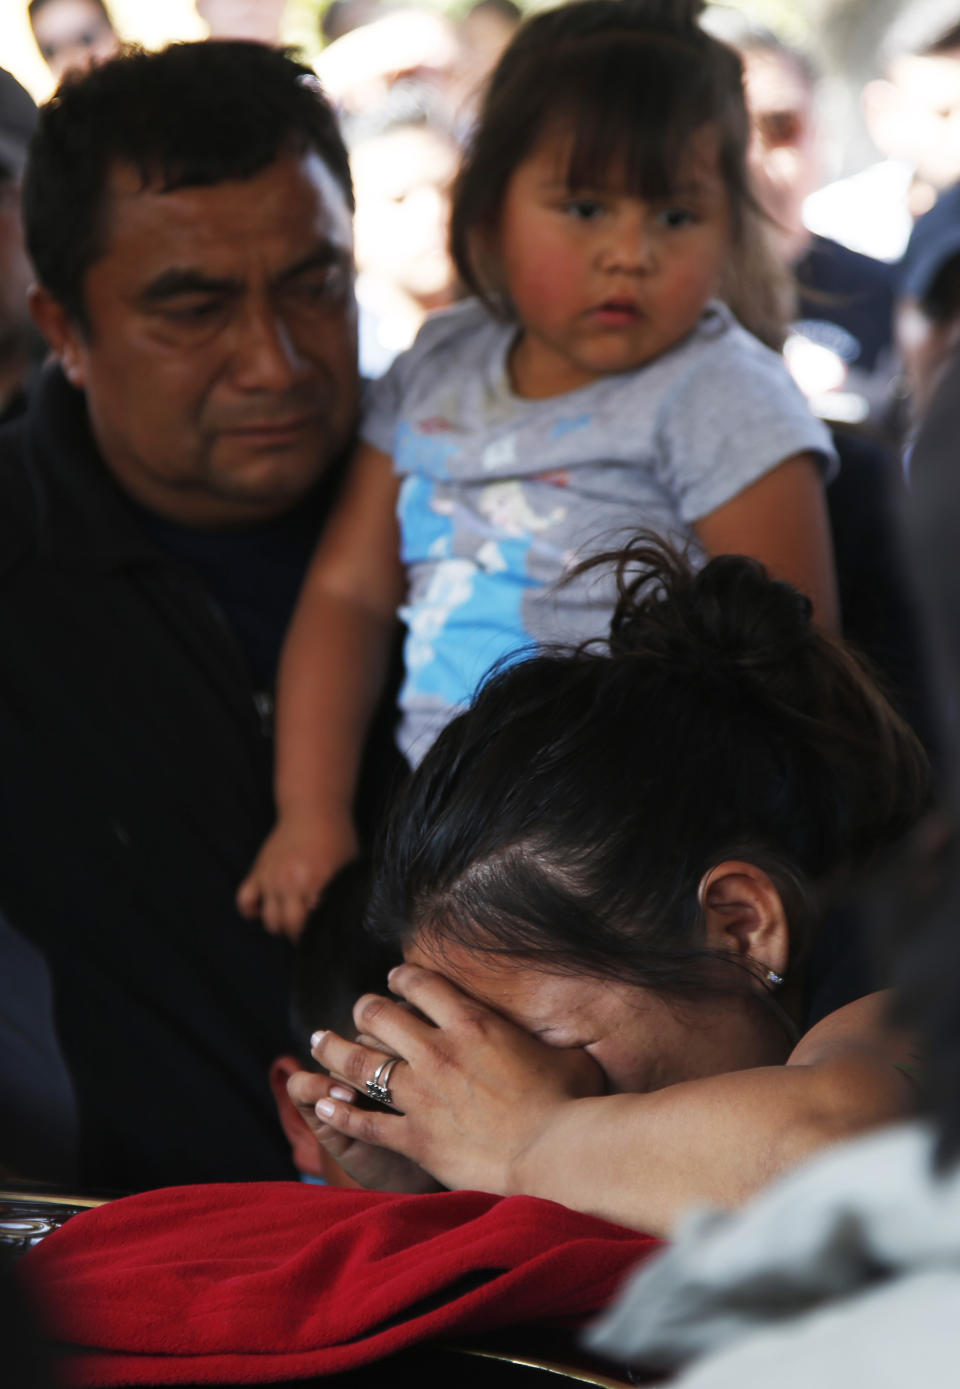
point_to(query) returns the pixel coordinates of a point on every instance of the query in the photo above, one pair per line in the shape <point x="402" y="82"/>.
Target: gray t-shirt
<point x="501" y="495"/>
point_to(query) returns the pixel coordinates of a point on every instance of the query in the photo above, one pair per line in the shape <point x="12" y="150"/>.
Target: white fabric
<point x="844" y="1274"/>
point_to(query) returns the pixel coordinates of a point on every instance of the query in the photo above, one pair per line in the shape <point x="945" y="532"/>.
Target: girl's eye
<point x="583" y="209"/>
<point x="673" y="217"/>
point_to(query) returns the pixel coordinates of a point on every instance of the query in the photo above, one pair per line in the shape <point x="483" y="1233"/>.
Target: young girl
<point x="615" y="856"/>
<point x="593" y="385"/>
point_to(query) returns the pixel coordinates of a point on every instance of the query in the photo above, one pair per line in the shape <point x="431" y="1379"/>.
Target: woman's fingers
<point x="378" y="1127"/>
<point x="435" y="996"/>
<point x="360" y="1066"/>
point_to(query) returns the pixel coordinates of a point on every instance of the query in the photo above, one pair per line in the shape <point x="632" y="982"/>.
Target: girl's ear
<point x="745" y="919"/>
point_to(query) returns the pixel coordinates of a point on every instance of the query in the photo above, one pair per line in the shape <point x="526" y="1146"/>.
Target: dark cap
<point x="18" y="119"/>
<point x="934" y="241"/>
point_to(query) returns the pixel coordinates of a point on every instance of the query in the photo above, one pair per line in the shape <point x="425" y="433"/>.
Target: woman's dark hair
<point x="633" y="81"/>
<point x="193" y="115"/>
<point x="570" y="814"/>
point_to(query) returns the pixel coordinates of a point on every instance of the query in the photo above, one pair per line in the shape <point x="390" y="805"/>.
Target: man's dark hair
<point x="195" y="114"/>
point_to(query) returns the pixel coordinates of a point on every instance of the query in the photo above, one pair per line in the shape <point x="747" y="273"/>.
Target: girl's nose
<point x="629" y="245"/>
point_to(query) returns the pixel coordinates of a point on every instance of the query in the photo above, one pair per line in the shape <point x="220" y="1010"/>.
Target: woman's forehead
<point x="534" y="997"/>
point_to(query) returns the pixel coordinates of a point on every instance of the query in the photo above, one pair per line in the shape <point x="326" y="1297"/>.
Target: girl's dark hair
<point x="570" y="814"/>
<point x="633" y="81"/>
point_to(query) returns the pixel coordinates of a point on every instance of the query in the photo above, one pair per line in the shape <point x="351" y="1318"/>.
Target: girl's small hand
<point x="295" y="863"/>
<point x="378" y="1169"/>
<point x="473" y="1090"/>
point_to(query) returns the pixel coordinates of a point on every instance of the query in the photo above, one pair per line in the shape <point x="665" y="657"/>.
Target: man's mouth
<point x="287" y="429"/>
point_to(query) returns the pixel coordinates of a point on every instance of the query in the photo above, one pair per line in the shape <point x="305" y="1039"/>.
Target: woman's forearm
<point x="643" y="1160"/>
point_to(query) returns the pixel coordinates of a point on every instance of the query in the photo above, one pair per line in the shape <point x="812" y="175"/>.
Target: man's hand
<point x="296" y="861"/>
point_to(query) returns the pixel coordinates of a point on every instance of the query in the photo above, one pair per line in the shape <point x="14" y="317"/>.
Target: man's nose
<point x="629" y="244"/>
<point x="266" y="356"/>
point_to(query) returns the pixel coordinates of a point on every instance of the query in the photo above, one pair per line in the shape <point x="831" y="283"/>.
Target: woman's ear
<point x="745" y="919"/>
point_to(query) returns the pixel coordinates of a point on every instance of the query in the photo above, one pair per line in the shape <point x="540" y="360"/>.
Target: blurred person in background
<point x="72" y="35"/>
<point x="485" y="31"/>
<point x="404" y="44"/>
<point x="403" y="158"/>
<point x="840" y="346"/>
<point x="913" y="117"/>
<point x="928" y="305"/>
<point x="259" y="20"/>
<point x="21" y="346"/>
<point x="487" y="28"/>
<point x="840" y="353"/>
<point x="343" y="16"/>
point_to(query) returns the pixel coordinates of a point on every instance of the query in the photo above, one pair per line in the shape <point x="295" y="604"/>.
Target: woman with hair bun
<point x="606" y="879"/>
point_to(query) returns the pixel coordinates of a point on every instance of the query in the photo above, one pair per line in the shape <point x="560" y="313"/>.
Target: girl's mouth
<point x="616" y="313"/>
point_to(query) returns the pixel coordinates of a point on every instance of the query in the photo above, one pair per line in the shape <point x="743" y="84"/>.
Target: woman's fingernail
<point x="325" y="1109"/>
<point x="392" y="973"/>
<point x="316" y="1039"/>
<point x="340" y="1092"/>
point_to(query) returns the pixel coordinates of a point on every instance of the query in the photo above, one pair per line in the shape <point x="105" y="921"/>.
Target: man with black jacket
<point x="188" y="214"/>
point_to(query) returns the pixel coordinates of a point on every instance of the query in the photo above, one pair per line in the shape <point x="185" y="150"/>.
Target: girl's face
<point x="603" y="281"/>
<point x="640" y="1039"/>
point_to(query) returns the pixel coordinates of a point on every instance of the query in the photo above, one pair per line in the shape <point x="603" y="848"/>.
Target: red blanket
<point x="260" y="1282"/>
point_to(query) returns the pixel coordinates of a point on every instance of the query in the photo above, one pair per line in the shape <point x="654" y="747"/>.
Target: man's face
<point x="219" y="354"/>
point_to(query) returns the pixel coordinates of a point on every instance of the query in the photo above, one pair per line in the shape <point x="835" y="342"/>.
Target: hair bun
<point x="729" y="619"/>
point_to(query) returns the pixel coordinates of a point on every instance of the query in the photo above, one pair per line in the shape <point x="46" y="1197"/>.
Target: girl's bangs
<point x="632" y="109"/>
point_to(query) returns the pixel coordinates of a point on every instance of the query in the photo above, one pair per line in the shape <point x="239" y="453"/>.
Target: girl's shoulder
<point x="720" y="337"/>
<point x="466" y="329"/>
<point x="723" y="362"/>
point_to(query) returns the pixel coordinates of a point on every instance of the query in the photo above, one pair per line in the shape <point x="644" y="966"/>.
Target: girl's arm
<point x="331" y="673"/>
<point x="489" y="1107"/>
<point x="781" y="520"/>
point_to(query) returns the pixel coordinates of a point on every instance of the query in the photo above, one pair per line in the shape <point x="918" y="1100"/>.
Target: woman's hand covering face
<point x="472" y="1090"/>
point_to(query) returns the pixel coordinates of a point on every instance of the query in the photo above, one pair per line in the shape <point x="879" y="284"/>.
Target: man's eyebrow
<point x="323" y="258"/>
<point x="181" y="280"/>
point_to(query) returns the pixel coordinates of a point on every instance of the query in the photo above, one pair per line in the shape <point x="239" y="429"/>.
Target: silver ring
<point x="378" y="1088"/>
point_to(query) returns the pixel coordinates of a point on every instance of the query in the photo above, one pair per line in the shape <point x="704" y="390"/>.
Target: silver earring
<point x="773" y="978"/>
